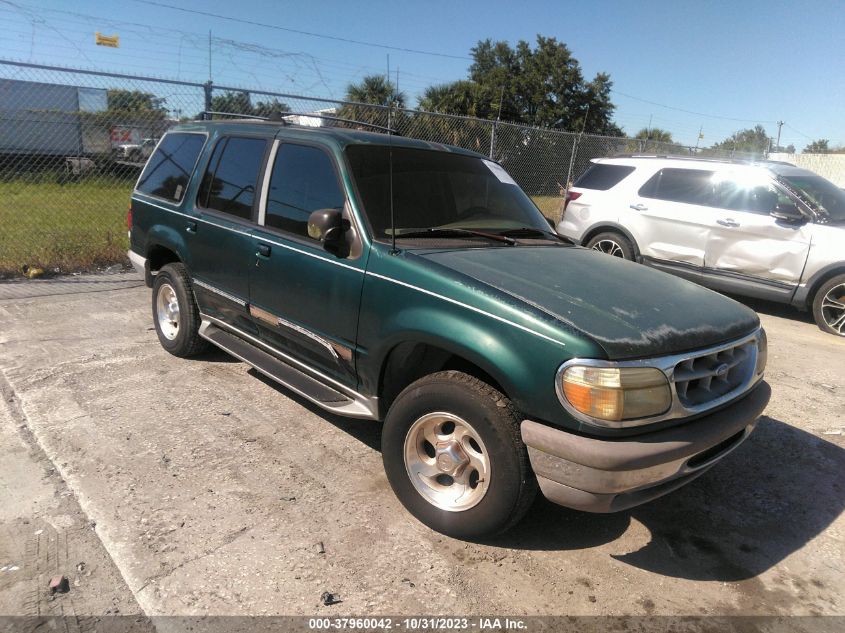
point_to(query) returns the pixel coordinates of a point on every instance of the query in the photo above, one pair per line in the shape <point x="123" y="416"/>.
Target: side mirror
<point x="326" y="225"/>
<point x="787" y="213"/>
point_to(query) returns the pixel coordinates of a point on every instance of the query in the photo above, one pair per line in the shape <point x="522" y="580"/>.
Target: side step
<point x="328" y="397"/>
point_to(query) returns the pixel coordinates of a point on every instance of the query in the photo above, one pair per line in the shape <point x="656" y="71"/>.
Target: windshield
<point x="438" y="190"/>
<point x="820" y="194"/>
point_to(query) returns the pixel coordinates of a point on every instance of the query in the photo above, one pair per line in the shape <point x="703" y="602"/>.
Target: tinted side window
<point x="303" y="180"/>
<point x="755" y="198"/>
<point x="692" y="186"/>
<point x="169" y="168"/>
<point x="602" y="177"/>
<point x="231" y="178"/>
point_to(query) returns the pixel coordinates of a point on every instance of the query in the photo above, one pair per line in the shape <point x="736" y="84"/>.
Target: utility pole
<point x="207" y="89"/>
<point x="389" y="96"/>
<point x="777" y="145"/>
<point x="698" y="138"/>
<point x="496" y="123"/>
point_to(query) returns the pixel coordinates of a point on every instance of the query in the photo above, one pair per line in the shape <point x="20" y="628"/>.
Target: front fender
<point x="522" y="361"/>
<point x="473" y="342"/>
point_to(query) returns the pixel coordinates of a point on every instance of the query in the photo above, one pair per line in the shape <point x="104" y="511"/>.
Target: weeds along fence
<point x="73" y="142"/>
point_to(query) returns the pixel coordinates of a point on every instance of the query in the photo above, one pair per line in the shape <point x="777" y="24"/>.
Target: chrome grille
<point x="702" y="379"/>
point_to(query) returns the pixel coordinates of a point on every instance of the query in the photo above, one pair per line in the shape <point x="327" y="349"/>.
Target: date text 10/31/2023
<point x="418" y="624"/>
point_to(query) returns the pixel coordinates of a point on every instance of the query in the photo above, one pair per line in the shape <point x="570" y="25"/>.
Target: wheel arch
<point x="409" y="360"/>
<point x="611" y="227"/>
<point x="164" y="246"/>
<point x="805" y="300"/>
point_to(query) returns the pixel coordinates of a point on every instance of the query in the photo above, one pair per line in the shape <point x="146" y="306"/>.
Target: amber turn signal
<point x="614" y="394"/>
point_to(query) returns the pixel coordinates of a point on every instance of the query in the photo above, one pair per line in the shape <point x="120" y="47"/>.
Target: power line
<point x="661" y="105"/>
<point x="809" y="138"/>
<point x="197" y="42"/>
<point x="289" y="30"/>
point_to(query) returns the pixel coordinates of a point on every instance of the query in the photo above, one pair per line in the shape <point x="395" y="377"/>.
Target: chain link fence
<point x="73" y="142"/>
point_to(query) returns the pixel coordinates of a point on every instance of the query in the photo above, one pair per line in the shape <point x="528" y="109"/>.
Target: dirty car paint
<point x="630" y="310"/>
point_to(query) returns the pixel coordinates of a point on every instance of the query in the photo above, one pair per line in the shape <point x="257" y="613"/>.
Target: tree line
<point x="540" y="86"/>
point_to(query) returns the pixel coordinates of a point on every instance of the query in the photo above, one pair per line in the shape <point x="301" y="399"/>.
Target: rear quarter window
<point x="169" y="169"/>
<point x="602" y="177"/>
<point x="692" y="186"/>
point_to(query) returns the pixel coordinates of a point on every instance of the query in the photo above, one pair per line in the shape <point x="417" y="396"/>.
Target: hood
<point x="630" y="310"/>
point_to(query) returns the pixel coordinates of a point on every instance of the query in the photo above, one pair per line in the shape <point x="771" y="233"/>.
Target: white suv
<point x="768" y="230"/>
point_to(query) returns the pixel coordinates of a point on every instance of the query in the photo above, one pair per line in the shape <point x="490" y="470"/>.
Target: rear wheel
<point x="613" y="244"/>
<point x="454" y="456"/>
<point x="829" y="306"/>
<point x="175" y="313"/>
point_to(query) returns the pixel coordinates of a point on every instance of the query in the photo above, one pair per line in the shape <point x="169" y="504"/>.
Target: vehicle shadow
<point x="763" y="502"/>
<point x="766" y="500"/>
<point x="772" y="308"/>
<point x="368" y="432"/>
<point x="214" y="355"/>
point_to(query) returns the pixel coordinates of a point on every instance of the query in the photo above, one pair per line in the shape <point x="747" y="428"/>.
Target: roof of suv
<point x="776" y="167"/>
<point x="341" y="136"/>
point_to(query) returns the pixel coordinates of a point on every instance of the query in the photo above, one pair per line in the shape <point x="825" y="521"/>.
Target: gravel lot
<point x="198" y="487"/>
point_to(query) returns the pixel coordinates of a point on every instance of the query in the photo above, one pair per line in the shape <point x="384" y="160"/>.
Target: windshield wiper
<point x="435" y="232"/>
<point x="525" y="231"/>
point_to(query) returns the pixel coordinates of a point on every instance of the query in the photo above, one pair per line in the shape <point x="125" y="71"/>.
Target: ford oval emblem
<point x="721" y="370"/>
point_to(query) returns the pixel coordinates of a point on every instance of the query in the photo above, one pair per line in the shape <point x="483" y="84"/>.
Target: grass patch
<point x="549" y="205"/>
<point x="79" y="226"/>
<point x="62" y="227"/>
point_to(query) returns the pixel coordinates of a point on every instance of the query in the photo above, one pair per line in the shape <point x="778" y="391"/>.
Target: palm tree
<point x="654" y="134"/>
<point x="653" y="140"/>
<point x="373" y="90"/>
<point x="377" y="90"/>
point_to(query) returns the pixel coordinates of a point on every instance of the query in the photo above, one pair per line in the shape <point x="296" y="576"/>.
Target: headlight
<point x="614" y="394"/>
<point x="762" y="352"/>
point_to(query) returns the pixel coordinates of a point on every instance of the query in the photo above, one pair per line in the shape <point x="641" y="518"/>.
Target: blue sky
<point x="682" y="64"/>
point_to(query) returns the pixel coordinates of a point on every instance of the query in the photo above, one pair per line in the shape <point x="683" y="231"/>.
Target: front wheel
<point x="829" y="306"/>
<point x="613" y="244"/>
<point x="454" y="456"/>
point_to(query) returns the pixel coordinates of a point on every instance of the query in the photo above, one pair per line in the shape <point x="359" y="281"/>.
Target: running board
<point x="328" y="397"/>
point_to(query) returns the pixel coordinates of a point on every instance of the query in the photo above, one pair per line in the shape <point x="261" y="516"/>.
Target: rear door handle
<point x="638" y="207"/>
<point x="191" y="227"/>
<point x="729" y="222"/>
<point x="263" y="250"/>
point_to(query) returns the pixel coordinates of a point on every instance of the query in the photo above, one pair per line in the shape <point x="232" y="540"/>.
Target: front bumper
<point x="608" y="475"/>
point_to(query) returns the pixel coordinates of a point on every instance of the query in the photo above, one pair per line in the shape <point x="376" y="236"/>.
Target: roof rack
<point x="282" y="117"/>
<point x="712" y="159"/>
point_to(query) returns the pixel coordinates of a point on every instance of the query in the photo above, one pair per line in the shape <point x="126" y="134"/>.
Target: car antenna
<point x="393" y="250"/>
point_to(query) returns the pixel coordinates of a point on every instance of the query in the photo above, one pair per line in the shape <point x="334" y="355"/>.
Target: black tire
<point x="182" y="340"/>
<point x="512" y="485"/>
<point x="612" y="243"/>
<point x="828" y="316"/>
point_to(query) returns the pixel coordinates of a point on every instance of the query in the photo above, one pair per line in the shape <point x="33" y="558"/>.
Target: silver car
<point x="766" y="229"/>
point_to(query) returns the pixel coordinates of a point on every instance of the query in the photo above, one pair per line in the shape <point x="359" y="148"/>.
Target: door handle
<point x="729" y="222"/>
<point x="191" y="227"/>
<point x="638" y="207"/>
<point x="263" y="250"/>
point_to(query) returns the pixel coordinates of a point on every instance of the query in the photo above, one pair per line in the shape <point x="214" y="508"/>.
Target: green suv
<point x="416" y="284"/>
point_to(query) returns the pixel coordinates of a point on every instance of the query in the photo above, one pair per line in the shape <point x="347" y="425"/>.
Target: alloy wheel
<point x="447" y="461"/>
<point x="609" y="247"/>
<point x="167" y="311"/>
<point x="833" y="308"/>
